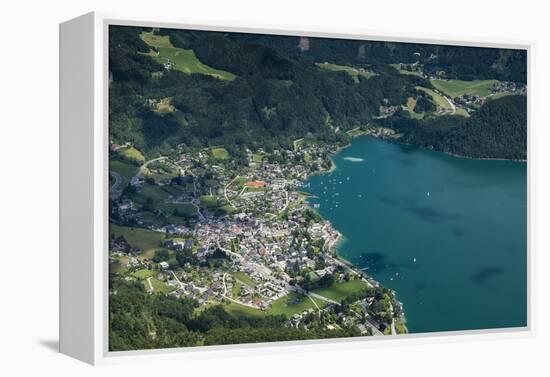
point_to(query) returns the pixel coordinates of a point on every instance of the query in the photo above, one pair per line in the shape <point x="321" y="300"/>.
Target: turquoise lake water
<point x="448" y="234"/>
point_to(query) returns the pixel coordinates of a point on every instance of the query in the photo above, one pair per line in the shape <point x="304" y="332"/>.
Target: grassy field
<point x="182" y="60"/>
<point x="257" y="158"/>
<point x="160" y="286"/>
<point x="132" y="153"/>
<point x="402" y="71"/>
<point x="293" y="303"/>
<point x="165" y="106"/>
<point x="355" y="132"/>
<point x="339" y="291"/>
<point x="147" y="240"/>
<point x="241" y="276"/>
<point x="212" y="203"/>
<point x="255" y="189"/>
<point x="156" y="41"/>
<point x="439" y="100"/>
<point x="186" y="208"/>
<point x="143" y="274"/>
<point x="461" y="112"/>
<point x="220" y="153"/>
<point x="409" y="108"/>
<point x="235" y="290"/>
<point x="127" y="171"/>
<point x="123" y="168"/>
<point x="153" y="192"/>
<point x="288" y="305"/>
<point x="227" y="209"/>
<point x="236" y="309"/>
<point x="411" y="103"/>
<point x="209" y="201"/>
<point x="353" y="72"/>
<point x="456" y="88"/>
<point x="500" y="95"/>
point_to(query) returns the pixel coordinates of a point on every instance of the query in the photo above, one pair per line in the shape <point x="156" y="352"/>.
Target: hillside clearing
<point x="353" y="72"/>
<point x="220" y="153"/>
<point x="146" y="240"/>
<point x="457" y="88"/>
<point x="131" y="153"/>
<point x="180" y="59"/>
<point x="439" y="100"/>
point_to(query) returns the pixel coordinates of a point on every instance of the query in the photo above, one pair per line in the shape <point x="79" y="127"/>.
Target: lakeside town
<point x="202" y="227"/>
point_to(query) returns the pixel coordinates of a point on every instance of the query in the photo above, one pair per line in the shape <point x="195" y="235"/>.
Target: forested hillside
<point x="138" y="320"/>
<point x="465" y="63"/>
<point x="497" y="130"/>
<point x="278" y="93"/>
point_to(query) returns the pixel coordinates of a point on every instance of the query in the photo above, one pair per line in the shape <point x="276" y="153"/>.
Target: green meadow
<point x="439" y="100"/>
<point x="457" y="88"/>
<point x="220" y="153"/>
<point x="180" y="59"/>
<point x="241" y="276"/>
<point x="339" y="291"/>
<point x="353" y="72"/>
<point x="131" y="153"/>
<point x="146" y="240"/>
<point x="288" y="305"/>
<point x="126" y="170"/>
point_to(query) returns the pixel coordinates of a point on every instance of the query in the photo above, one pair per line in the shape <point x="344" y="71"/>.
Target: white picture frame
<point x="84" y="191"/>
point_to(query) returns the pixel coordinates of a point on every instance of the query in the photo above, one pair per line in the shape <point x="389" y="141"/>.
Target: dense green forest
<point x="497" y="130"/>
<point x="138" y="320"/>
<point x="273" y="101"/>
<point x="280" y="94"/>
<point x="458" y="62"/>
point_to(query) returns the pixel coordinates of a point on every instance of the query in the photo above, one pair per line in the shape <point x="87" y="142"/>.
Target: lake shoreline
<point x="466" y="157"/>
<point x="341" y="238"/>
<point x="401" y="258"/>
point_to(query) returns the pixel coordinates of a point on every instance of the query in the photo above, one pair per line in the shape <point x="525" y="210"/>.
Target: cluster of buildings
<point x="269" y="243"/>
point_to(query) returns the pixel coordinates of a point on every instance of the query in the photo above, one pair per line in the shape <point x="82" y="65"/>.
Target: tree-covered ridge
<point x="138" y="320"/>
<point x="273" y="101"/>
<point x="497" y="130"/>
<point x="280" y="94"/>
<point x="458" y="62"/>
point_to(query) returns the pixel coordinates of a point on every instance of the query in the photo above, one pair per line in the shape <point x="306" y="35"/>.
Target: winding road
<point x="116" y="188"/>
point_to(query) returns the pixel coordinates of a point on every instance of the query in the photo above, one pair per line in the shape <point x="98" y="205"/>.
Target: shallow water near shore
<point x="448" y="234"/>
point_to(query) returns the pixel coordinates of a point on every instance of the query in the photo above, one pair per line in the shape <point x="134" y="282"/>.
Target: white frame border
<point x="101" y="193"/>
